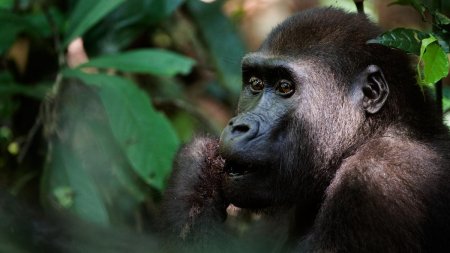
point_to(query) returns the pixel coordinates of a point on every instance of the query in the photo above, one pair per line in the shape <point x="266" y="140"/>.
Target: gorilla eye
<point x="256" y="84"/>
<point x="285" y="88"/>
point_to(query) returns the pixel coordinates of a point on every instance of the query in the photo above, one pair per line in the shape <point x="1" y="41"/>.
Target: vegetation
<point x="432" y="47"/>
<point x="111" y="123"/>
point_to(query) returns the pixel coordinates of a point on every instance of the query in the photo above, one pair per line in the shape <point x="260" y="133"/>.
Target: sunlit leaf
<point x="408" y="40"/>
<point x="86" y="14"/>
<point x="435" y="61"/>
<point x="441" y="19"/>
<point x="151" y="61"/>
<point x="64" y="195"/>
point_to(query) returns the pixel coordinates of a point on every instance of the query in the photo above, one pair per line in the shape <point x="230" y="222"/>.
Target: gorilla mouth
<point x="234" y="169"/>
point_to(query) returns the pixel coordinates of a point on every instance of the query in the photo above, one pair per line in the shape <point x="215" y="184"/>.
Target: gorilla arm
<point x="371" y="206"/>
<point x="194" y="205"/>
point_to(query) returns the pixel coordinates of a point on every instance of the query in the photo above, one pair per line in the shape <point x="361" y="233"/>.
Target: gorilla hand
<point x="194" y="198"/>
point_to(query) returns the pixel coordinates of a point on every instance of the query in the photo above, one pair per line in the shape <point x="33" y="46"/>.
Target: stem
<point x="37" y="124"/>
<point x="56" y="37"/>
<point x="438" y="85"/>
<point x="359" y="6"/>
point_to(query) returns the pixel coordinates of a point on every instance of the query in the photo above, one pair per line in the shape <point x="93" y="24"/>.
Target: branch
<point x="56" y="36"/>
<point x="359" y="6"/>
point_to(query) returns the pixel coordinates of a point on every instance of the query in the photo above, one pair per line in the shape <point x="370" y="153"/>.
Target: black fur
<point x="357" y="155"/>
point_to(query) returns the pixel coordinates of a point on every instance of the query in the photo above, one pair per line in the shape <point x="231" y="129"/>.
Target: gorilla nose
<point x="243" y="129"/>
<point x="240" y="130"/>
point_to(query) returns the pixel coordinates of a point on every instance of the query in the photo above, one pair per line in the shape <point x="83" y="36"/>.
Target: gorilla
<point x="334" y="136"/>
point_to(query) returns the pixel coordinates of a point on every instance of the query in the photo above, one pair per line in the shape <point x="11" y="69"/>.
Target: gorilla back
<point x="332" y="128"/>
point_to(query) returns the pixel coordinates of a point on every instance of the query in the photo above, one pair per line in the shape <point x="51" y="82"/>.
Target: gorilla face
<point x="296" y="121"/>
<point x="255" y="144"/>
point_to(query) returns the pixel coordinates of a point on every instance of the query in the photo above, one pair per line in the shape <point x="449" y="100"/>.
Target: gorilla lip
<point x="233" y="169"/>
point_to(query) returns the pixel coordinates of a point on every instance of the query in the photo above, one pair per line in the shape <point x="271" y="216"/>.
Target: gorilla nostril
<point x="240" y="129"/>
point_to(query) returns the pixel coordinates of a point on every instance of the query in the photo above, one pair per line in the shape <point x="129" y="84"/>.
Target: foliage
<point x="113" y="124"/>
<point x="431" y="47"/>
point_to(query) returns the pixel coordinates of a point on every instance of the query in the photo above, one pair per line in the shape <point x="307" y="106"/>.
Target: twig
<point x="30" y="136"/>
<point x="56" y="37"/>
<point x="42" y="115"/>
<point x="359" y="6"/>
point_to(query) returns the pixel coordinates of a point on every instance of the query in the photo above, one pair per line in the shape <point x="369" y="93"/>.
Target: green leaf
<point x="150" y="61"/>
<point x="86" y="14"/>
<point x="87" y="171"/>
<point x="408" y="40"/>
<point x="441" y="19"/>
<point x="425" y="43"/>
<point x="185" y="125"/>
<point x="64" y="195"/>
<point x="66" y="171"/>
<point x="163" y="8"/>
<point x="145" y="135"/>
<point x="435" y="61"/>
<point x="37" y="91"/>
<point x="39" y="21"/>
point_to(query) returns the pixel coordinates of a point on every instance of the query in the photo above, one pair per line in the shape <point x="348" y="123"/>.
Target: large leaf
<point x="144" y="134"/>
<point x="87" y="170"/>
<point x="86" y="14"/>
<point x="65" y="172"/>
<point x="408" y="40"/>
<point x="151" y="61"/>
<point x="222" y="40"/>
<point x="435" y="61"/>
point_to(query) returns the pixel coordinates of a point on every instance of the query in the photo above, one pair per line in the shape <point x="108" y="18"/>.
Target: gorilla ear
<point x="372" y="89"/>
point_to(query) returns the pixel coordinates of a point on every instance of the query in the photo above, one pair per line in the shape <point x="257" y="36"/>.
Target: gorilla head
<point x="311" y="94"/>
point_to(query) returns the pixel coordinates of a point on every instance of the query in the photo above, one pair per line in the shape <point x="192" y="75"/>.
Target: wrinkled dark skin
<point x="333" y="131"/>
